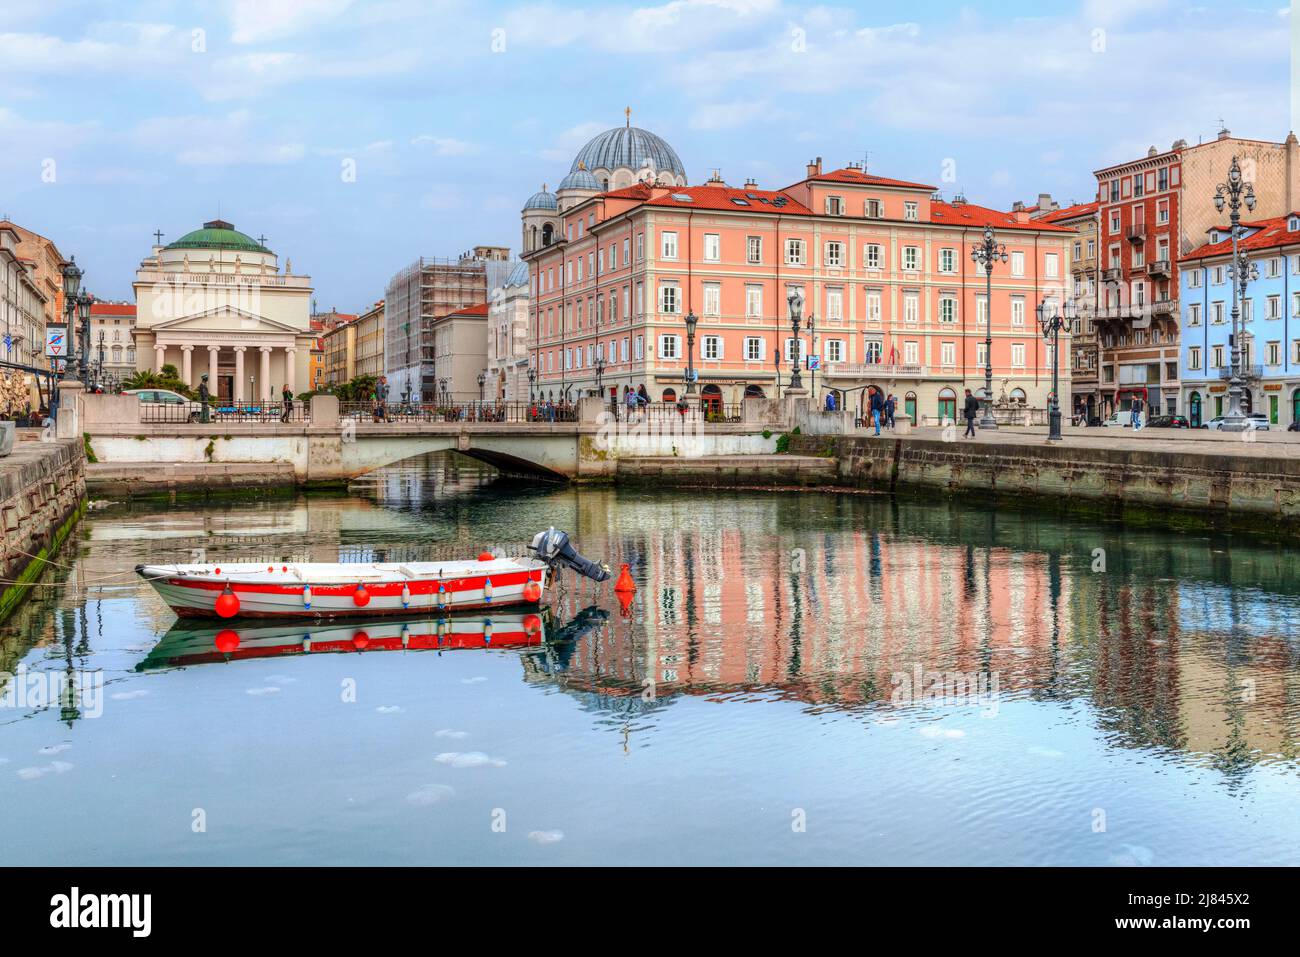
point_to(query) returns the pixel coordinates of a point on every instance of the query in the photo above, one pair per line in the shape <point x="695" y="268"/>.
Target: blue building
<point x="1271" y="314"/>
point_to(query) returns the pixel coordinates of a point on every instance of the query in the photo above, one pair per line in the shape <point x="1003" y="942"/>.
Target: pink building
<point x="884" y="268"/>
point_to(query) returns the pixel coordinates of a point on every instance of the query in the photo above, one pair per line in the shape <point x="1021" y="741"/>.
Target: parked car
<point x="1169" y="422"/>
<point x="1123" y="419"/>
<point x="178" y="408"/>
<point x="1254" y="420"/>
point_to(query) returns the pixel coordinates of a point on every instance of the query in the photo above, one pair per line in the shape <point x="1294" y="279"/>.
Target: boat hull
<point x="361" y="591"/>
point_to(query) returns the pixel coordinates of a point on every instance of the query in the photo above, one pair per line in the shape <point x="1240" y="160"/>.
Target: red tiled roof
<point x="1071" y="212"/>
<point x="481" y="309"/>
<point x="713" y="197"/>
<point x="864" y="179"/>
<point x="112" y="308"/>
<point x="968" y="214"/>
<point x="1269" y="234"/>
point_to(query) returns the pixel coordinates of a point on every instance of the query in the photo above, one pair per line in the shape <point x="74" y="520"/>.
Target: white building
<point x="22" y="305"/>
<point x="216" y="302"/>
<point x="507" y="345"/>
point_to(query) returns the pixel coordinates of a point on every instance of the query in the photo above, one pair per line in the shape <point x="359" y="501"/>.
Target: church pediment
<point x="226" y="317"/>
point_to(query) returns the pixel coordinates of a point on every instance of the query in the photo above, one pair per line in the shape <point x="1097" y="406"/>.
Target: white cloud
<point x="445" y="145"/>
<point x="254" y="21"/>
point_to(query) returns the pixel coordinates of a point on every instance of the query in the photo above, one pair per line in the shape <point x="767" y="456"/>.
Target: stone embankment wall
<point x="42" y="494"/>
<point x="1249" y="490"/>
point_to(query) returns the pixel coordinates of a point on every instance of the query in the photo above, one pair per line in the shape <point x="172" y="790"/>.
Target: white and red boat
<point x="357" y="589"/>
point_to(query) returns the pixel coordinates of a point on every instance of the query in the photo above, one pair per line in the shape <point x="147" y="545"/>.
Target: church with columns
<point x="216" y="301"/>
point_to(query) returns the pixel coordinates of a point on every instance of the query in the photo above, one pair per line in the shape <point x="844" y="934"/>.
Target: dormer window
<point x="834" y="206"/>
<point x="1293" y="224"/>
<point x="910" y="211"/>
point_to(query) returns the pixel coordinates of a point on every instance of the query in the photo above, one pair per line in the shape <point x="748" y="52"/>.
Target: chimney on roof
<point x="1045" y="203"/>
<point x="1179" y="144"/>
<point x="715" y="179"/>
<point x="1224" y="133"/>
<point x="959" y="199"/>
<point x="751" y="183"/>
<point x="1152" y="151"/>
<point x="1017" y="206"/>
<point x="815" y="167"/>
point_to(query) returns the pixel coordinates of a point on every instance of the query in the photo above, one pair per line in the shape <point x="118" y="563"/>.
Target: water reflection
<point x="1025" y="657"/>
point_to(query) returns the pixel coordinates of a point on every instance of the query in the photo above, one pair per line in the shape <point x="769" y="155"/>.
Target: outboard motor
<point x="552" y="546"/>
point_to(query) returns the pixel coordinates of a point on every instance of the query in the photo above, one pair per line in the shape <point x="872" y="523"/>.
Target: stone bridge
<point x="328" y="448"/>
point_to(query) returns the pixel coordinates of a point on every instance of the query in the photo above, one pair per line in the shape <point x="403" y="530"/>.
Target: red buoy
<point x="361" y="596"/>
<point x="486" y="557"/>
<point x="360" y="640"/>
<point x="227" y="641"/>
<point x="227" y="605"/>
<point x="625" y="604"/>
<point x="532" y="624"/>
<point x="532" y="591"/>
<point x="625" y="582"/>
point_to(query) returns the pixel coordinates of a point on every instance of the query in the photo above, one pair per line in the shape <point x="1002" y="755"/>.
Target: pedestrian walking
<point x="890" y="405"/>
<point x="970" y="410"/>
<point x="877" y="407"/>
<point x="286" y="403"/>
<point x="381" y="399"/>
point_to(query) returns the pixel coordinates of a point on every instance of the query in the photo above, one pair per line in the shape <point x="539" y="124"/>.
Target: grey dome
<point x="542" y="200"/>
<point x="518" y="276"/>
<point x="580" y="178"/>
<point x="629" y="147"/>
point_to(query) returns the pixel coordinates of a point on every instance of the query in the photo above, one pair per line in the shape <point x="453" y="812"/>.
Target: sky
<point x="358" y="136"/>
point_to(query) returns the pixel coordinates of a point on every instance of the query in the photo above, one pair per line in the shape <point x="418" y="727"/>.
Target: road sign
<point x="814" y="362"/>
<point x="56" y="341"/>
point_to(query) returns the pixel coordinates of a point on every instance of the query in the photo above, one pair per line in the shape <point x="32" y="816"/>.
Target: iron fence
<point x="223" y="411"/>
<point x="470" y="412"/>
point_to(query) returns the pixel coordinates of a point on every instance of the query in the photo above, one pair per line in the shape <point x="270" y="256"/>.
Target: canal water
<point x="801" y="678"/>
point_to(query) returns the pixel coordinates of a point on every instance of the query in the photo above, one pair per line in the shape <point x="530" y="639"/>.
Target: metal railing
<point x="475" y="412"/>
<point x="223" y="411"/>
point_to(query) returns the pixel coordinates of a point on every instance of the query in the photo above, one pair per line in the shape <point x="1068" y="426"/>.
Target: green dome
<point x="218" y="234"/>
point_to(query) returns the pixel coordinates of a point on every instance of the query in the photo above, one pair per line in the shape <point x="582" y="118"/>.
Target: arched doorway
<point x="711" y="400"/>
<point x="947" y="405"/>
<point x="909" y="406"/>
<point x="754" y="392"/>
<point x="670" y="395"/>
<point x="1194" y="409"/>
<point x="1018" y="397"/>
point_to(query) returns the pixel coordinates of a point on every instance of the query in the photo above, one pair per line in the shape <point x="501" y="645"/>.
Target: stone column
<point x="187" y="365"/>
<point x="160" y="357"/>
<point x="239" y="373"/>
<point x="291" y="369"/>
<point x="264" y="373"/>
<point x="214" y="356"/>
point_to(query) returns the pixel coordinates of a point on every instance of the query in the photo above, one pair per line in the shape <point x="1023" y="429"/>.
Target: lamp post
<point x="988" y="252"/>
<point x="691" y="320"/>
<point x="600" y="374"/>
<point x="1051" y="320"/>
<point x="812" y="350"/>
<point x="100" y="378"/>
<point x="71" y="288"/>
<point x="83" y="312"/>
<point x="795" y="300"/>
<point x="532" y="378"/>
<point x="1233" y="194"/>
<point x="482" y="378"/>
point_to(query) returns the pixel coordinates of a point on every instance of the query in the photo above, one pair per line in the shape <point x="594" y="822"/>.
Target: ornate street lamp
<point x="83" y="311"/>
<point x="691" y="320"/>
<point x="600" y="374"/>
<point x="812" y="349"/>
<point x="1233" y="194"/>
<point x="988" y="252"/>
<point x="1052" y="320"/>
<point x="532" y="378"/>
<point x="71" y="287"/>
<point x="795" y="300"/>
<point x="482" y="378"/>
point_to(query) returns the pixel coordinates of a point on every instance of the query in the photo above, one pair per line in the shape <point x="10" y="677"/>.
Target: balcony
<point x="1114" y="274"/>
<point x="1165" y="308"/>
<point x="1158" y="269"/>
<point x="876" y="370"/>
<point x="1136" y="233"/>
<point x="1251" y="373"/>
